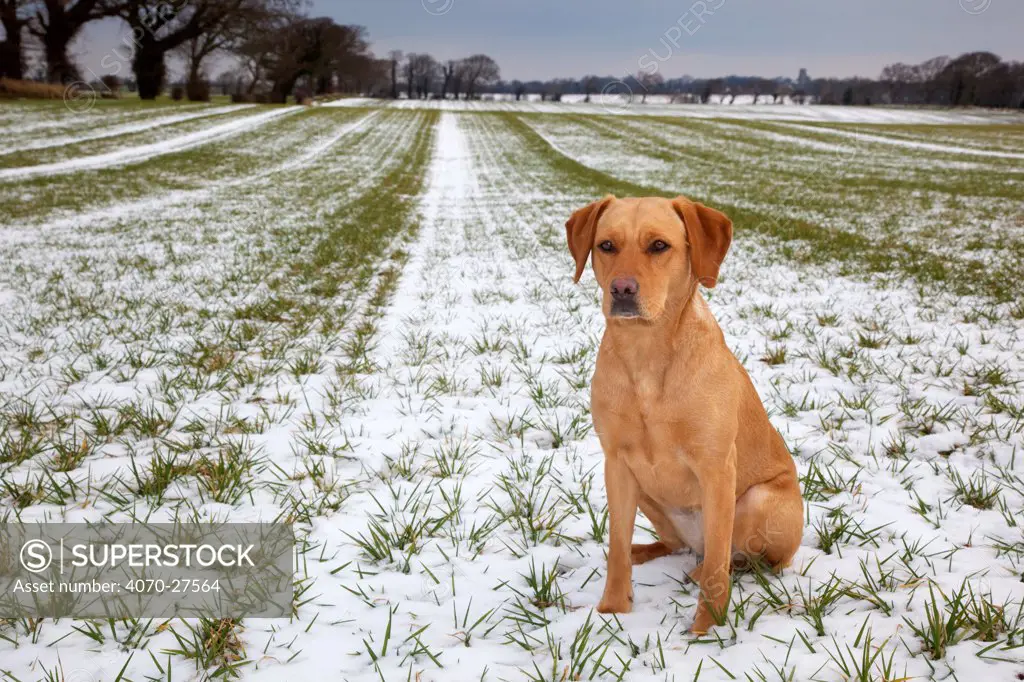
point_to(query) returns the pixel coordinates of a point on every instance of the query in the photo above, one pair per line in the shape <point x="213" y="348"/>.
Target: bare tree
<point x="928" y="72"/>
<point x="372" y="77"/>
<point x="898" y="79"/>
<point x="760" y="86"/>
<point x="710" y="88"/>
<point x="589" y="87"/>
<point x="410" y="73"/>
<point x="649" y="81"/>
<point x="395" y="56"/>
<point x="519" y="88"/>
<point x="363" y="74"/>
<point x="56" y="23"/>
<point x="159" y="26"/>
<point x="254" y="49"/>
<point x="255" y="56"/>
<point x="319" y="50"/>
<point x="227" y="35"/>
<point x="195" y="51"/>
<point x="972" y="79"/>
<point x="478" y="71"/>
<point x="554" y="90"/>
<point x="13" y="18"/>
<point x="420" y="71"/>
<point x="424" y="72"/>
<point x="448" y="78"/>
<point x="963" y="76"/>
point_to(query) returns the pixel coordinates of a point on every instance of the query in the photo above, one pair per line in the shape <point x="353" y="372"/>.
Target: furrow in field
<point x="71" y="199"/>
<point x="147" y="124"/>
<point x="1001" y="138"/>
<point x="795" y="136"/>
<point x="114" y="145"/>
<point x="905" y="143"/>
<point x="264" y="183"/>
<point x="24" y="121"/>
<point x="145" y="152"/>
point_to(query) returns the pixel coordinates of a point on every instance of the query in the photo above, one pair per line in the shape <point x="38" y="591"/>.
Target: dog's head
<point x="648" y="251"/>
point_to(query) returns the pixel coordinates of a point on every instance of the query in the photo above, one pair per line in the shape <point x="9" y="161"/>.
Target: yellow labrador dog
<point x="685" y="436"/>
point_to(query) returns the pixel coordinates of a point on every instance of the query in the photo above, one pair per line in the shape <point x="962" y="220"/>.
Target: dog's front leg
<point x="718" y="499"/>
<point x="622" y="506"/>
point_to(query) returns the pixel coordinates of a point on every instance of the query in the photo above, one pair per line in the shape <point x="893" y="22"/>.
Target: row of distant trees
<point x="976" y="78"/>
<point x="420" y="76"/>
<point x="972" y="79"/>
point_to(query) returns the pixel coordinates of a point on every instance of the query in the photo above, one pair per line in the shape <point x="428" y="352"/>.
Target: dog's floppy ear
<point x="580" y="229"/>
<point x="709" y="233"/>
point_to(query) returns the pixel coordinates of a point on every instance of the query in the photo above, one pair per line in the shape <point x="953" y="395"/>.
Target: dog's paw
<point x="610" y="604"/>
<point x="703" y="622"/>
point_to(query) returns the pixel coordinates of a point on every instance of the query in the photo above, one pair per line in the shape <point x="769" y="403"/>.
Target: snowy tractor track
<point x="143" y="152"/>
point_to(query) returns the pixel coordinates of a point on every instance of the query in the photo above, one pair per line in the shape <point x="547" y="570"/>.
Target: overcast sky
<point x="554" y="38"/>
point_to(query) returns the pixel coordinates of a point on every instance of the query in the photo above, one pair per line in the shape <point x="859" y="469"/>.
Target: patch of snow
<point x="144" y="152"/>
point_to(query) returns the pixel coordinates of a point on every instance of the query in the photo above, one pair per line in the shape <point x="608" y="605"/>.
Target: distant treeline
<point x="972" y="79"/>
<point x="273" y="50"/>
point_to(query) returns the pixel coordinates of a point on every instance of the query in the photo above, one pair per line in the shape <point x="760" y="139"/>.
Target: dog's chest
<point x="689" y="523"/>
<point x="659" y="465"/>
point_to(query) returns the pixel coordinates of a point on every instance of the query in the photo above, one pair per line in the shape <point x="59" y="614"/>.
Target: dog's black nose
<point x="624" y="288"/>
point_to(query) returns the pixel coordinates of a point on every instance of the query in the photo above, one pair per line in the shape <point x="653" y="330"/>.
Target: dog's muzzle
<point x="624" y="291"/>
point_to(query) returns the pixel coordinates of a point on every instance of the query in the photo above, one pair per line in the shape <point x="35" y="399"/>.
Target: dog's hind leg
<point x="669" y="540"/>
<point x="769" y="522"/>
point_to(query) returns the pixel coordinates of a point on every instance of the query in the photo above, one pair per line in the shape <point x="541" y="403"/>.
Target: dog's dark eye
<point x="607" y="246"/>
<point x="657" y="246"/>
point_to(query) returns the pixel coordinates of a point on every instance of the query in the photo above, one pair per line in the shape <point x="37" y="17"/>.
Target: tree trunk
<point x="59" y="68"/>
<point x="10" y="60"/>
<point x="11" y="64"/>
<point x="193" y="74"/>
<point x="197" y="89"/>
<point x="148" y="65"/>
<point x="282" y="88"/>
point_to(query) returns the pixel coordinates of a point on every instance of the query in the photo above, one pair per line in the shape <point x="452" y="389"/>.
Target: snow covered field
<point x="660" y="106"/>
<point x="362" y="320"/>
